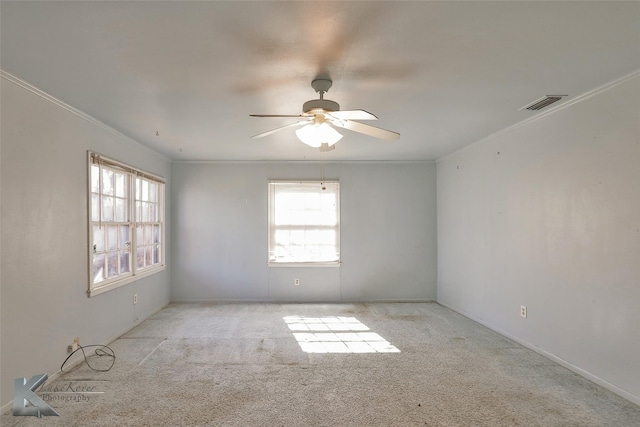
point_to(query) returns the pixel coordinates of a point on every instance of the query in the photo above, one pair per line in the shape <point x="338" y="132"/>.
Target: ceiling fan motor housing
<point x="320" y="104"/>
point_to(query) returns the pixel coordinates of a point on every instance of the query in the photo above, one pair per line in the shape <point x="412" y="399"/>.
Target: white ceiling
<point x="443" y="74"/>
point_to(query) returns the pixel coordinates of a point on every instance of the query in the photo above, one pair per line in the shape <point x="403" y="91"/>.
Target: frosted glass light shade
<point x="314" y="135"/>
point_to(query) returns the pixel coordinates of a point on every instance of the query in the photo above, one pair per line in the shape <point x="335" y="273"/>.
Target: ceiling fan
<point x="320" y="117"/>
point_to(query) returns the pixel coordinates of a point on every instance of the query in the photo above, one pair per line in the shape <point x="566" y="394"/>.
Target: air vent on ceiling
<point x="543" y="102"/>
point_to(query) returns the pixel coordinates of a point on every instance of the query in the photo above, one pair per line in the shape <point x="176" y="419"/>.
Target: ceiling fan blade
<point x="353" y="115"/>
<point x="367" y="130"/>
<point x="275" y="115"/>
<point x="269" y="132"/>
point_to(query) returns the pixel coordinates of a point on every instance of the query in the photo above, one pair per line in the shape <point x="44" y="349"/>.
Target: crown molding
<point x="324" y="162"/>
<point x="583" y="97"/>
<point x="61" y="104"/>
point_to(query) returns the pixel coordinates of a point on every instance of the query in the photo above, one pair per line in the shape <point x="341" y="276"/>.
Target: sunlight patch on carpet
<point x="336" y="334"/>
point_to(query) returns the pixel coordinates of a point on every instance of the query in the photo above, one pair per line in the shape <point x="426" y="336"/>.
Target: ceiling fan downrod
<point x="321" y="86"/>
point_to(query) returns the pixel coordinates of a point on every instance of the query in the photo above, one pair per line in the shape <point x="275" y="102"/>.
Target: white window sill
<point x="304" y="264"/>
<point x="97" y="290"/>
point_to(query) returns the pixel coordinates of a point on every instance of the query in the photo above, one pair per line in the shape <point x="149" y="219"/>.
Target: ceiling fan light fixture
<point x="316" y="134"/>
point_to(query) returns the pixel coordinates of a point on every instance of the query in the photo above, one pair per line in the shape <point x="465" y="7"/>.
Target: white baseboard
<point x="272" y="301"/>
<point x="611" y="387"/>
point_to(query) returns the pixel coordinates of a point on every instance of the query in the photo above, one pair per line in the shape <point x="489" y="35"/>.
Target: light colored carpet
<point x="240" y="365"/>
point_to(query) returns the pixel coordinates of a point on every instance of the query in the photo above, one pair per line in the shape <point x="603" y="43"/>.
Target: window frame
<point x="131" y="222"/>
<point x="271" y="226"/>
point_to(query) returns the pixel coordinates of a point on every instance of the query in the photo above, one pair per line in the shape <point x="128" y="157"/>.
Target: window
<point x="126" y="215"/>
<point x="304" y="223"/>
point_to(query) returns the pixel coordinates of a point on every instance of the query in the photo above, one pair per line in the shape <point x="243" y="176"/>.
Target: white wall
<point x="388" y="233"/>
<point x="547" y="215"/>
<point x="44" y="263"/>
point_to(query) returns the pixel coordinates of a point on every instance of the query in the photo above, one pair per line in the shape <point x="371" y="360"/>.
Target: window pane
<point x="121" y="210"/>
<point x="95" y="179"/>
<point x="148" y="234"/>
<point x="107" y="181"/>
<point x="107" y="208"/>
<point x="149" y="255"/>
<point x="98" y="268"/>
<point x="153" y="191"/>
<point x="112" y="262"/>
<point x="138" y="189"/>
<point x="124" y="262"/>
<point x="156" y="254"/>
<point x="144" y="212"/>
<point x="121" y="185"/>
<point x="153" y="212"/>
<point x="297" y="252"/>
<point x="139" y="236"/>
<point x="95" y="207"/>
<point x="281" y="251"/>
<point x="285" y="215"/>
<point x="112" y="237"/>
<point x="311" y="236"/>
<point x="282" y="237"/>
<point x="140" y="256"/>
<point x="156" y="234"/>
<point x="124" y="242"/>
<point x="296" y="237"/>
<point x="98" y="238"/>
<point x="327" y="237"/>
<point x="145" y="190"/>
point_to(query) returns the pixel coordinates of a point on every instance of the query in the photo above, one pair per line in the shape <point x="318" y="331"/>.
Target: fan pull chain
<point x="322" y="172"/>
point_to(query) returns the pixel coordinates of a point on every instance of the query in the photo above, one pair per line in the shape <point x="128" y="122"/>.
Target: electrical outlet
<point x="297" y="282"/>
<point x="135" y="298"/>
<point x="523" y="311"/>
